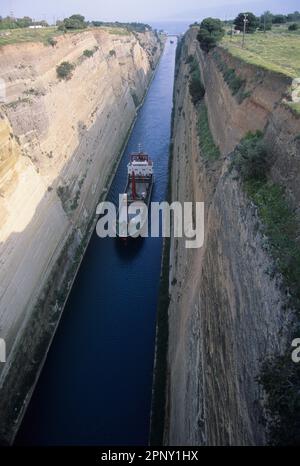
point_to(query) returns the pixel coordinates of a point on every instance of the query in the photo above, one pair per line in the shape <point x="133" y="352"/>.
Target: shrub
<point x="88" y="53"/>
<point x="294" y="27"/>
<point x="62" y="27"/>
<point x="64" y="70"/>
<point x="189" y="59"/>
<point x="250" y="157"/>
<point x="51" y="41"/>
<point x="112" y="53"/>
<point x="196" y="89"/>
<point x="234" y="82"/>
<point x="280" y="378"/>
<point x="135" y="98"/>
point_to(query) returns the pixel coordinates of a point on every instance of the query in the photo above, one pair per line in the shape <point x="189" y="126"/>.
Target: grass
<point x="295" y="106"/>
<point x="117" y="31"/>
<point x="28" y="35"/>
<point x="274" y="51"/>
<point x="44" y="35"/>
<point x="207" y="145"/>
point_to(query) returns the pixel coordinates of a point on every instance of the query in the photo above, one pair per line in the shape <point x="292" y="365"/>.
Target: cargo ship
<point x="140" y="180"/>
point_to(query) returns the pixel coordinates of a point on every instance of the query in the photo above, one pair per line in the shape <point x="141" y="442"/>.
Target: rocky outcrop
<point x="227" y="307"/>
<point x="60" y="140"/>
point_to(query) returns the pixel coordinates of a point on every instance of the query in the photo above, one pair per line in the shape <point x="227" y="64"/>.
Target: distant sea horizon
<point x="171" y="27"/>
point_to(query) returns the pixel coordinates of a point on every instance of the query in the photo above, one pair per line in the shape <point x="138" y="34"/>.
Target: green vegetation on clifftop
<point x="279" y="53"/>
<point x="14" y="36"/>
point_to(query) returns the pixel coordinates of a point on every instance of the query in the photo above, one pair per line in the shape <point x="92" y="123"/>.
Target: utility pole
<point x="244" y="30"/>
<point x="264" y="22"/>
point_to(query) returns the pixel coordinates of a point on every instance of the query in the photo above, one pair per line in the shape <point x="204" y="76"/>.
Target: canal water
<point x="95" y="387"/>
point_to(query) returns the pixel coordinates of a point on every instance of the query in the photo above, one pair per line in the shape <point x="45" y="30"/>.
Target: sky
<point x="141" y="10"/>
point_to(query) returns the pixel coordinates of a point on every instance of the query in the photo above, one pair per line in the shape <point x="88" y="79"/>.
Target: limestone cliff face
<point x="59" y="143"/>
<point x="226" y="312"/>
<point x="263" y="109"/>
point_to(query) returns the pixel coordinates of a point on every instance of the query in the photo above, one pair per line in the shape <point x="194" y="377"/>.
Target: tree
<point x="14" y="23"/>
<point x="74" y="22"/>
<point x="24" y="22"/>
<point x="291" y="17"/>
<point x="279" y="19"/>
<point x="251" y="25"/>
<point x="210" y="33"/>
<point x="62" y="27"/>
<point x="266" y="21"/>
<point x="43" y="23"/>
<point x="79" y="18"/>
<point x="97" y="23"/>
<point x="293" y="27"/>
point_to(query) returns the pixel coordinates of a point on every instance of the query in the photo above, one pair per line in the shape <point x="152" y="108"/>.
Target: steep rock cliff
<point x="60" y="140"/>
<point x="226" y="311"/>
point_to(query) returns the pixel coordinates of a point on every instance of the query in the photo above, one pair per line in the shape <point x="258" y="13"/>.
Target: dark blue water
<point x="95" y="387"/>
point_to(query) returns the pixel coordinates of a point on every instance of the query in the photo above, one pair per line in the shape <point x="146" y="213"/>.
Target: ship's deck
<point x="140" y="187"/>
<point x="143" y="189"/>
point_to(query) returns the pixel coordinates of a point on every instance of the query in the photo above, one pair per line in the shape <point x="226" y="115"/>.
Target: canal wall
<point x="227" y="311"/>
<point x="60" y="142"/>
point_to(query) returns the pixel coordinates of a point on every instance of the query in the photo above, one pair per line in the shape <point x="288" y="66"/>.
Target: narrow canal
<point x="95" y="387"/>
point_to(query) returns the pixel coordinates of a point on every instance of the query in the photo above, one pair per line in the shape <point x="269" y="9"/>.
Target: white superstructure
<point x="141" y="165"/>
